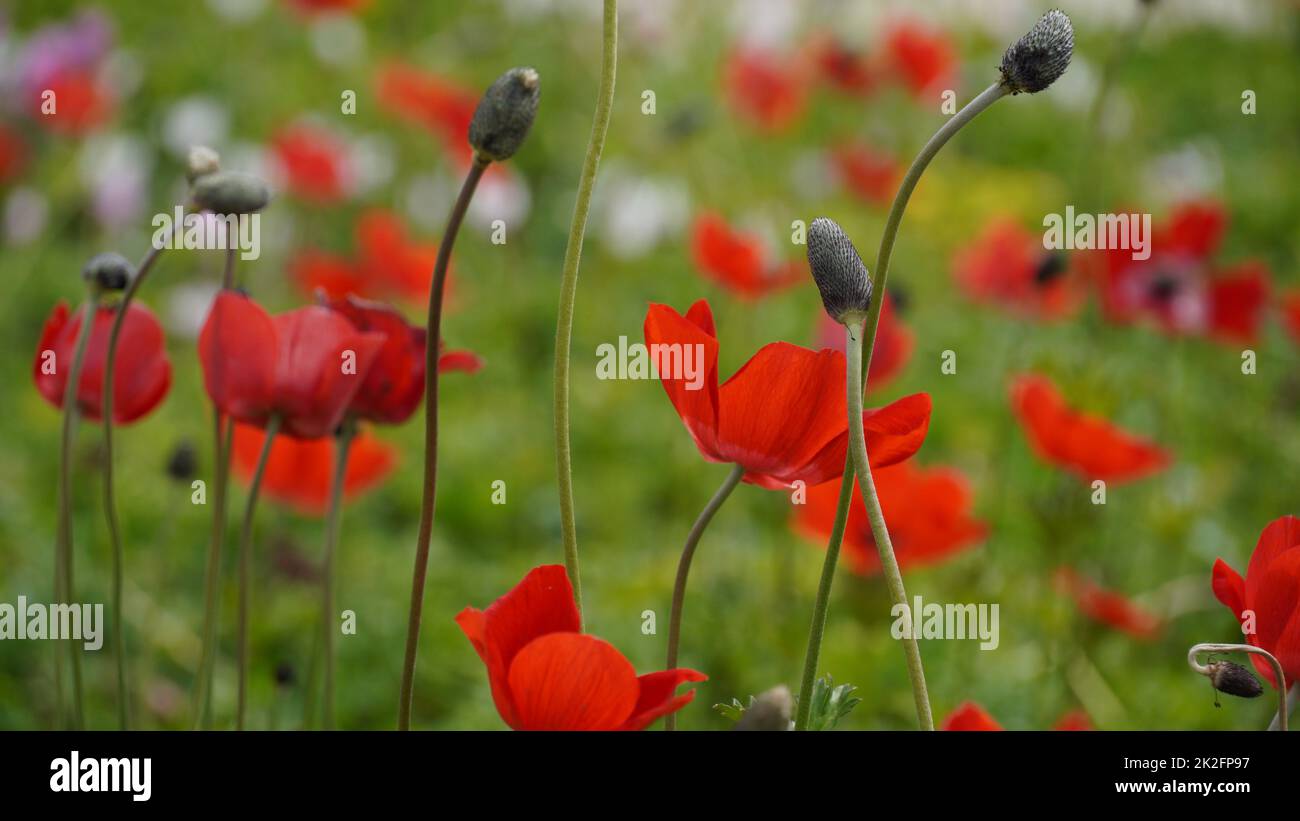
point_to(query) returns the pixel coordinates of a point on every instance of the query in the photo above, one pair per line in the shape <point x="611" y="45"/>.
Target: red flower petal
<point x="698" y="409"/>
<point x="568" y="681"/>
<point x="313" y="390"/>
<point x="1108" y="607"/>
<point x="658" y="696"/>
<point x="766" y="89"/>
<point x="1074" y="720"/>
<point x="736" y="260"/>
<point x="1237" y="299"/>
<point x="1229" y="588"/>
<point x="299" y="471"/>
<point x="238" y="347"/>
<point x="970" y="716"/>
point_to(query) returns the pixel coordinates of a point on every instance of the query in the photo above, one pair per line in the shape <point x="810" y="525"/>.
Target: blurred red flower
<point x="394" y="385"/>
<point x="765" y="88"/>
<point x="13" y="154"/>
<point x="80" y="103"/>
<point x="1089" y="446"/>
<point x="923" y="58"/>
<point x="894" y="343"/>
<point x="330" y="274"/>
<point x="1073" y="721"/>
<point x="928" y="511"/>
<point x="1179" y="287"/>
<point x="1106" y="606"/>
<point x="737" y="260"/>
<point x="299" y="471"/>
<point x="294" y="365"/>
<point x="546" y="675"/>
<point x="1007" y="266"/>
<point x="970" y="716"/>
<point x="141" y="377"/>
<point x="313" y="161"/>
<point x="1267" y="601"/>
<point x="783" y="414"/>
<point x="388" y="257"/>
<point x="869" y="174"/>
<point x="843" y="68"/>
<point x="431" y="101"/>
<point x="1291" y="313"/>
<point x="314" y="7"/>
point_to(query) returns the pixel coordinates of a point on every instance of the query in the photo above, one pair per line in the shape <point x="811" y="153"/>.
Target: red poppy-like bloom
<point x="842" y="68"/>
<point x="970" y="716"/>
<point x="1179" y="287"/>
<point x="314" y="7"/>
<point x="314" y="162"/>
<point x="783" y="415"/>
<point x="304" y="366"/>
<point x="431" y="101"/>
<point x="1073" y="721"/>
<point x="13" y="154"/>
<point x="387" y="255"/>
<point x="767" y="89"/>
<point x="927" y="509"/>
<point x="299" y="471"/>
<point x="1291" y="313"/>
<point x="922" y="58"/>
<point x="1086" y="445"/>
<point x="1007" y="266"/>
<point x="333" y="275"/>
<point x="142" y="374"/>
<point x="1106" y="606"/>
<point x="1267" y="601"/>
<point x="546" y="675"/>
<point x="80" y="103"/>
<point x="869" y="174"/>
<point x="737" y="260"/>
<point x="394" y="385"/>
<point x="894" y="343"/>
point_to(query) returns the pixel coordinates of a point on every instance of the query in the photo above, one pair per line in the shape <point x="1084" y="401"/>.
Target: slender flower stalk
<point x="1292" y="696"/>
<point x="63" y="545"/>
<point x="343" y="443"/>
<point x="245" y="559"/>
<point x="500" y="124"/>
<point x="434" y="334"/>
<point x="1210" y="670"/>
<point x="684" y="569"/>
<point x="569" y="291"/>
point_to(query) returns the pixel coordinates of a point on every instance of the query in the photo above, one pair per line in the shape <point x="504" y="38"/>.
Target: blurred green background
<point x="639" y="480"/>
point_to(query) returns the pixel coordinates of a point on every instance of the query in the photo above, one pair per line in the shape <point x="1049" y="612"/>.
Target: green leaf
<point x="830" y="704"/>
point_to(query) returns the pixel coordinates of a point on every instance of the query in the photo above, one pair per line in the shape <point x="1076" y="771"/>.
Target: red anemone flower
<point x="1291" y="313"/>
<point x="141" y="377"/>
<point x="765" y="88"/>
<point x="1089" y="446"/>
<point x="737" y="260"/>
<point x="431" y="101"/>
<point x="843" y="68"/>
<point x="388" y="257"/>
<point x="894" y="343"/>
<point x="304" y="366"/>
<point x="869" y="174"/>
<point x="394" y="385"/>
<point x="970" y="716"/>
<point x="922" y="58"/>
<point x="1073" y="721"/>
<point x="13" y="154"/>
<point x="314" y="162"/>
<point x="80" y="103"/>
<point x="546" y="675"/>
<point x="1179" y="287"/>
<point x="1107" y="607"/>
<point x="1267" y="601"/>
<point x="1007" y="266"/>
<point x="299" y="471"/>
<point x="783" y="415"/>
<point x="928" y="511"/>
<point x="314" y="7"/>
<point x="330" y="274"/>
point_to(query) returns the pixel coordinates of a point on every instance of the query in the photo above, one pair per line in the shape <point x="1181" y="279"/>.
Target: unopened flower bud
<point x="202" y="161"/>
<point x="505" y="114"/>
<point x="771" y="710"/>
<point x="108" y="272"/>
<point x="230" y="192"/>
<point x="841" y="277"/>
<point x="183" y="462"/>
<point x="1036" y="60"/>
<point x="1233" y="679"/>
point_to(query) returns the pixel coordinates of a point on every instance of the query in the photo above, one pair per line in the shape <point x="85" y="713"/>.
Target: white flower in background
<point x="187" y="307"/>
<point x="427" y="201"/>
<point x="1076" y="88"/>
<point x="25" y="213"/>
<point x="194" y="120"/>
<point x="373" y="163"/>
<point x="115" y="168"/>
<point x="338" y="39"/>
<point x="237" y="11"/>
<point x="502" y="195"/>
<point x="634" y="213"/>
<point x="1192" y="171"/>
<point x="813" y="175"/>
<point x="766" y="23"/>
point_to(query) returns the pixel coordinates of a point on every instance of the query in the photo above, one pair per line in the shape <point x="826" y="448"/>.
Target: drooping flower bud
<point x="839" y="272"/>
<point x="504" y="114"/>
<point x="771" y="710"/>
<point x="1234" y="679"/>
<point x="108" y="272"/>
<point x="1036" y="60"/>
<point x="230" y="192"/>
<point x="202" y="161"/>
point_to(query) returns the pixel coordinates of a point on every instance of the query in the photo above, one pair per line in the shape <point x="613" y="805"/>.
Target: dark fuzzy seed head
<point x="1036" y="60"/>
<point x="505" y="114"/>
<point x="838" y="271"/>
<point x="108" y="271"/>
<point x="183" y="463"/>
<point x="1233" y="679"/>
<point x="230" y="192"/>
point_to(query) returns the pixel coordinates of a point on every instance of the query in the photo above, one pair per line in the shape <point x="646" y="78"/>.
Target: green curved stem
<point x="63" y="541"/>
<point x="1280" y="720"/>
<point x="245" y="556"/>
<point x="569" y="291"/>
<point x="343" y="443"/>
<point x="432" y="339"/>
<point x="110" y="501"/>
<point x="684" y="569"/>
